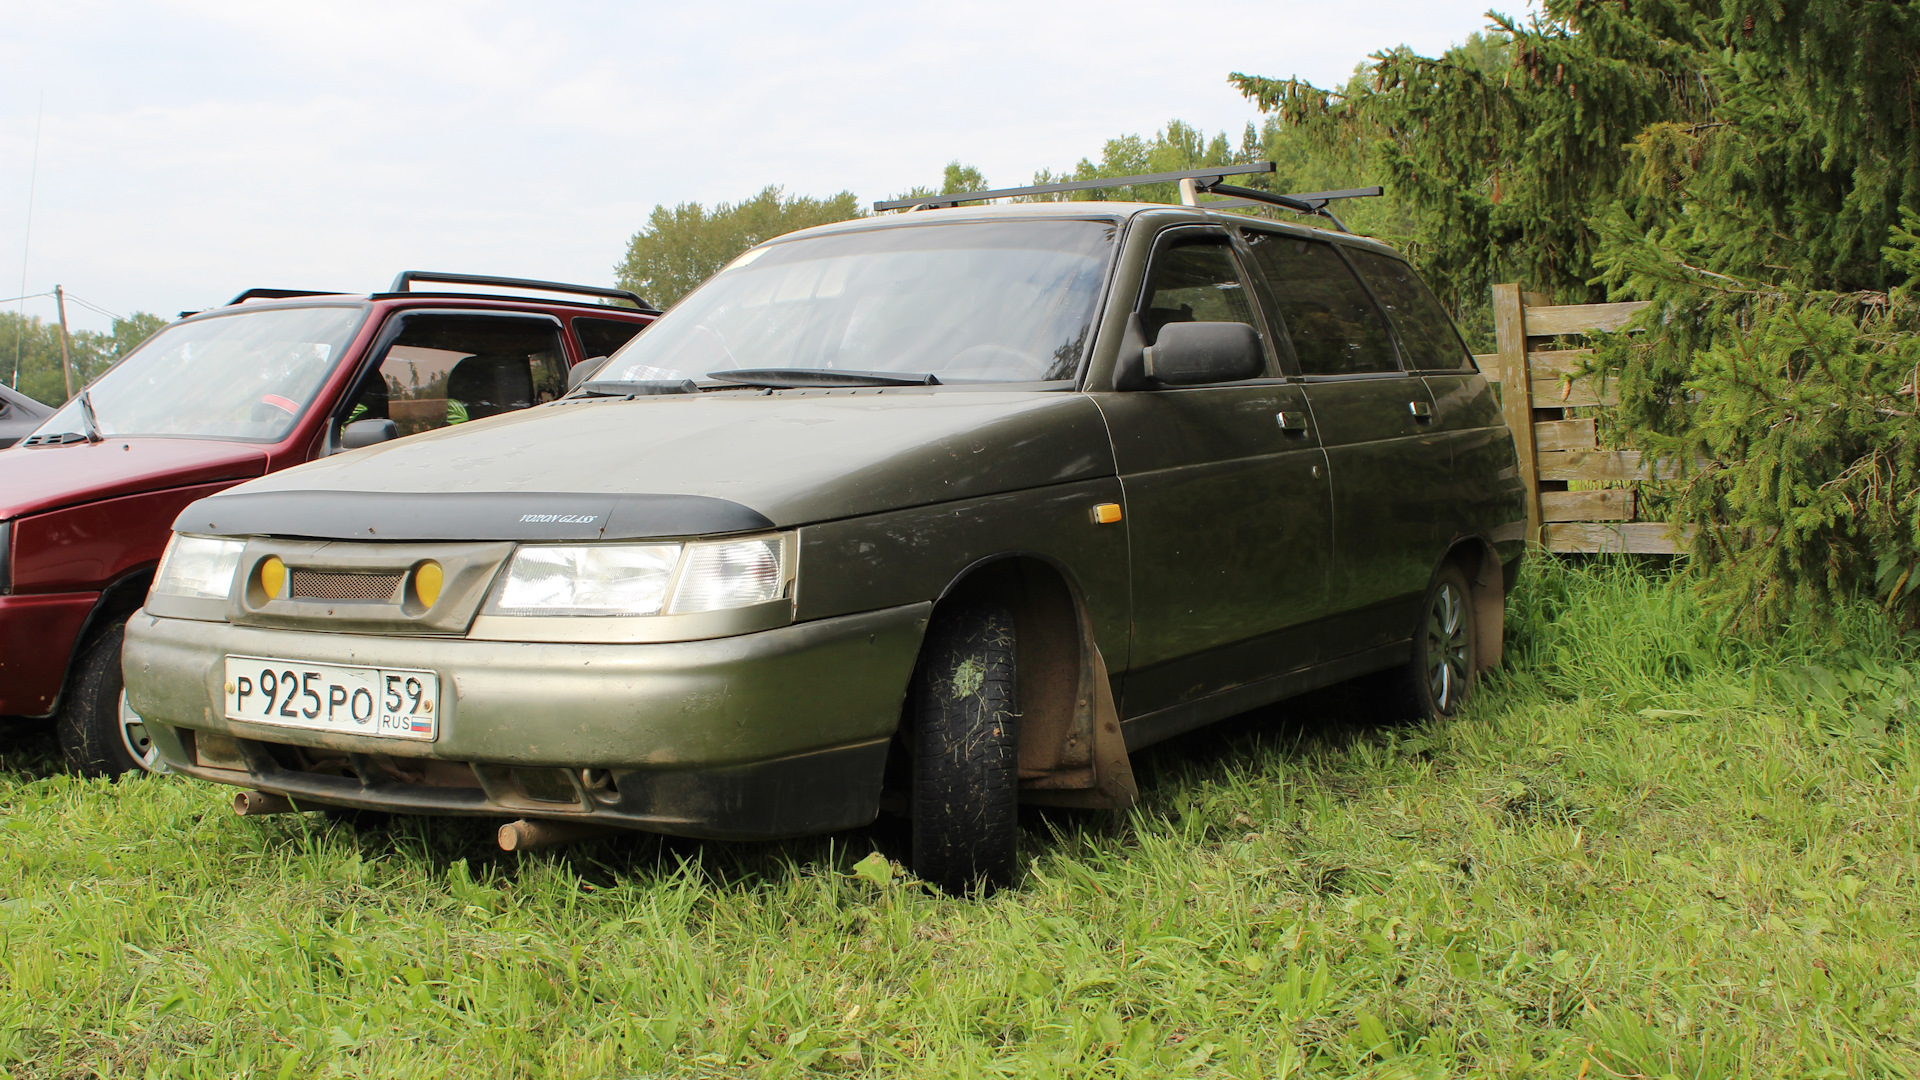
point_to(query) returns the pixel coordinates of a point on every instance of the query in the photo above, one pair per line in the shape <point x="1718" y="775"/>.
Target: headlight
<point x="600" y="579"/>
<point x="198" y="566"/>
<point x="642" y="579"/>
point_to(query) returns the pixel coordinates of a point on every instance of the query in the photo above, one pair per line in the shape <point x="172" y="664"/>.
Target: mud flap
<point x="1113" y="784"/>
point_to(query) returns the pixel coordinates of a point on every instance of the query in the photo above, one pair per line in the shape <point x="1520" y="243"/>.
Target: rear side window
<point x="603" y="337"/>
<point x="448" y="369"/>
<point x="1334" y="325"/>
<point x="1193" y="279"/>
<point x="1427" y="334"/>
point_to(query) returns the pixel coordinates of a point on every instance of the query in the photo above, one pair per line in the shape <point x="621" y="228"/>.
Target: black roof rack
<point x="955" y="198"/>
<point x="1312" y="202"/>
<point x="275" y="294"/>
<point x="1192" y="182"/>
<point x="407" y="277"/>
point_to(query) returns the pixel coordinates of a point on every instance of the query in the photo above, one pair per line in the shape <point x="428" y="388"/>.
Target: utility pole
<point x="66" y="353"/>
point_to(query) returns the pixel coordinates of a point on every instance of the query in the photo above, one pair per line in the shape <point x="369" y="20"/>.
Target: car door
<point x="1227" y="504"/>
<point x="1465" y="412"/>
<point x="1389" y="470"/>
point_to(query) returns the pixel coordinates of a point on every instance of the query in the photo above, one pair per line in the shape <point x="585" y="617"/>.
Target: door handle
<point x="1292" y="423"/>
<point x="1421" y="411"/>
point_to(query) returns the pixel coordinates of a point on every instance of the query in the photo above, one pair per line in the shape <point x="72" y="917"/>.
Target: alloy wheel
<point x="1447" y="648"/>
<point x="133" y="735"/>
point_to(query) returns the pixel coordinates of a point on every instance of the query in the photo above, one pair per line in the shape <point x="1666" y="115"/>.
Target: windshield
<point x="971" y="302"/>
<point x="246" y="376"/>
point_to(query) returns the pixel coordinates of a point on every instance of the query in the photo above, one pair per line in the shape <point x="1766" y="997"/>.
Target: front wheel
<point x="960" y="712"/>
<point x="100" y="735"/>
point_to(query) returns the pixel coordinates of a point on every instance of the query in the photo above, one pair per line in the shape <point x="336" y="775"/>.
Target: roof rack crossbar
<point x="1313" y="202"/>
<point x="277" y="294"/>
<point x="407" y="277"/>
<point x="955" y="198"/>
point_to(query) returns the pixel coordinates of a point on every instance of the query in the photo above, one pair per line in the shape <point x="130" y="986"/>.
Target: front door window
<point x="449" y="369"/>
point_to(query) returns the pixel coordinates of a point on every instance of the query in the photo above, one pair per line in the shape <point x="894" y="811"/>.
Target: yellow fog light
<point x="273" y="575"/>
<point x="427" y="579"/>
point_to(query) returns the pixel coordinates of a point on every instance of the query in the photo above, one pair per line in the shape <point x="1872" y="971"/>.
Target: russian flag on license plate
<point x="423" y="725"/>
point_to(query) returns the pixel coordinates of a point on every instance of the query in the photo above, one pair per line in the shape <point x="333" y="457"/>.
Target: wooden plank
<point x="1553" y="393"/>
<point x="1565" y="435"/>
<point x="1610" y="504"/>
<point x="1556" y="362"/>
<point x="1553" y="321"/>
<point x="1619" y="465"/>
<point x="1643" y="537"/>
<point x="1535" y="299"/>
<point x="1489" y="365"/>
<point x="1516" y="394"/>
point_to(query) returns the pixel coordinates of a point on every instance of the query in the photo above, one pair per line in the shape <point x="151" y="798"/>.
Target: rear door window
<point x="449" y="369"/>
<point x="1426" y="332"/>
<point x="603" y="337"/>
<point x="1333" y="324"/>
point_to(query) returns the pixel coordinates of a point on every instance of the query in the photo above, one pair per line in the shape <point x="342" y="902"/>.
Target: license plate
<point x="392" y="703"/>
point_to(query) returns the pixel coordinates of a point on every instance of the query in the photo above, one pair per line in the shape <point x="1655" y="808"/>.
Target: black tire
<point x="965" y="790"/>
<point x="98" y="734"/>
<point x="1440" y="675"/>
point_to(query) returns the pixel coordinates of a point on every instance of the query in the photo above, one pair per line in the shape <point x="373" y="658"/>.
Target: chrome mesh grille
<point x="319" y="585"/>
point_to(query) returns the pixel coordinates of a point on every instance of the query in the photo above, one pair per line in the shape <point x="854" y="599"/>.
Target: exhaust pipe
<point x="524" y="835"/>
<point x="255" y="803"/>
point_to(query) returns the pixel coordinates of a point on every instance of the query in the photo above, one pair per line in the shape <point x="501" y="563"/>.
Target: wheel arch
<point x="118" y="600"/>
<point x="1070" y="745"/>
<point x="1487" y="582"/>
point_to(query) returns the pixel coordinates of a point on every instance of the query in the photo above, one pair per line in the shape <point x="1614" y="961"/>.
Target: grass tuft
<point x="1649" y="848"/>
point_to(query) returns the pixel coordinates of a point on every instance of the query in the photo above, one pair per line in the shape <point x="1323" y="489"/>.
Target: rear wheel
<point x="1441" y="672"/>
<point x="99" y="733"/>
<point x="965" y="790"/>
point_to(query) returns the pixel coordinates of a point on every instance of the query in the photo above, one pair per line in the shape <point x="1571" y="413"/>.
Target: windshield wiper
<point x="632" y="388"/>
<point x="793" y="378"/>
<point x="86" y="415"/>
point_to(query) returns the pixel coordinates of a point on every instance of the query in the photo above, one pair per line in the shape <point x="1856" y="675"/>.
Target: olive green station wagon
<point x="940" y="511"/>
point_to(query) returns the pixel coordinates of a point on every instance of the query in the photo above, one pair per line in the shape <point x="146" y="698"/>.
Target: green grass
<point x="1649" y="849"/>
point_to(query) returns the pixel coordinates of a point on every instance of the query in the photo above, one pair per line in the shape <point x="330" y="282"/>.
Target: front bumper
<point x="37" y="635"/>
<point x="777" y="733"/>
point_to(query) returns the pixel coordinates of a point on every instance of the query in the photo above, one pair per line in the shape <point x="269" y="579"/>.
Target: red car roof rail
<point x="276" y="294"/>
<point x="406" y="278"/>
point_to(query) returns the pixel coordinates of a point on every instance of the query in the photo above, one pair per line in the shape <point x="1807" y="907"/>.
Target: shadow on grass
<point x="1299" y="730"/>
<point x="28" y="750"/>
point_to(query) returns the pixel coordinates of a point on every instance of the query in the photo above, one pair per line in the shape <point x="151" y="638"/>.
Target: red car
<point x="274" y="378"/>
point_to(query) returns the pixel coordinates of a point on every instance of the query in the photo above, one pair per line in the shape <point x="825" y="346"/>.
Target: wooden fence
<point x="1558" y="449"/>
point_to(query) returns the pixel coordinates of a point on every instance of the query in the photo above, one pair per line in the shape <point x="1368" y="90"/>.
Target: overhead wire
<point x="26" y="241"/>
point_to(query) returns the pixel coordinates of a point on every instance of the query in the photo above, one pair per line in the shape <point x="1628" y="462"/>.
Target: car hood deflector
<point x="441" y="515"/>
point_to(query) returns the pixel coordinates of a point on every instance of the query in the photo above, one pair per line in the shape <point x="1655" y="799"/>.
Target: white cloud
<point x="196" y="147"/>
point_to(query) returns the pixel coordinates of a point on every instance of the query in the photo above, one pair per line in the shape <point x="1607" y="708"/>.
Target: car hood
<point x="678" y="465"/>
<point x="34" y="479"/>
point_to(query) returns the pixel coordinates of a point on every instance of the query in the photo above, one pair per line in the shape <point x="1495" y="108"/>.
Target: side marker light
<point x="1106" y="513"/>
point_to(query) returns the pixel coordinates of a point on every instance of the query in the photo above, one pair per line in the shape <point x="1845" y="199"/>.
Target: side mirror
<point x="1193" y="353"/>
<point x="367" y="433"/>
<point x="584" y="370"/>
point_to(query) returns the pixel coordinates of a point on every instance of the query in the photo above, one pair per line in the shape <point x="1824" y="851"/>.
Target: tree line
<point x="30" y="352"/>
<point x="1750" y="167"/>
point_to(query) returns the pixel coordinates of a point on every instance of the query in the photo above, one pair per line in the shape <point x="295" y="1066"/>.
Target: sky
<point x="189" y="149"/>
